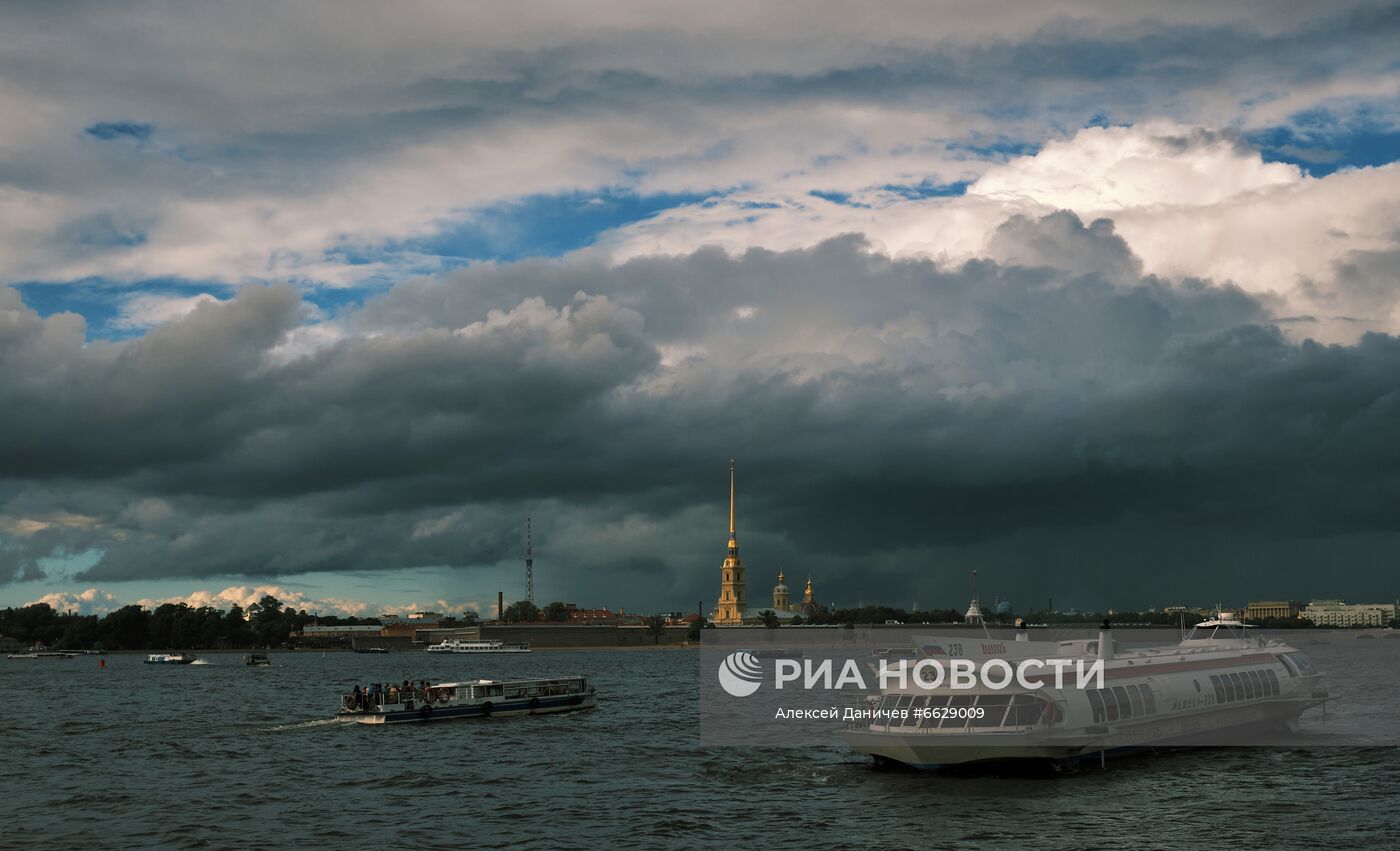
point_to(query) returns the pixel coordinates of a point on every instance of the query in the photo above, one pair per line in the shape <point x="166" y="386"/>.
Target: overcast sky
<point x="1098" y="299"/>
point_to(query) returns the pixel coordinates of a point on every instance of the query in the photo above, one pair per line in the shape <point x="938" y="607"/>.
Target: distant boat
<point x="257" y="660"/>
<point x="774" y="653"/>
<point x="43" y="654"/>
<point x="370" y="649"/>
<point x="475" y="699"/>
<point x="170" y="659"/>
<point x="455" y="645"/>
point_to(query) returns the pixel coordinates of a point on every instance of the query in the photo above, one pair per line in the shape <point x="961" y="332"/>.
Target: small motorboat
<point x="370" y="649"/>
<point x="170" y="659"/>
<point x="257" y="660"/>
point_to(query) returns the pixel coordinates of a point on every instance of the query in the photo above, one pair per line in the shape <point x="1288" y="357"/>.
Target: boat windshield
<point x="1218" y="631"/>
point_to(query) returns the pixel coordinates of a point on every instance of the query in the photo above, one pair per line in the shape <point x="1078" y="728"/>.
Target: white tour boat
<point x="170" y="659"/>
<point x="456" y="645"/>
<point x="1219" y="685"/>
<point x="475" y="699"/>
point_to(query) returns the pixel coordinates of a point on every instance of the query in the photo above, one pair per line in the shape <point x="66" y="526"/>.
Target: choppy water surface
<point x="228" y="756"/>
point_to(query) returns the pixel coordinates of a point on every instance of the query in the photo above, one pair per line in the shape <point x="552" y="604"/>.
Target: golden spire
<point x="731" y="497"/>
<point x="780" y="575"/>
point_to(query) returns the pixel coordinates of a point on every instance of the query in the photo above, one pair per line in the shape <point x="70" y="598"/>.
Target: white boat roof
<point x="1224" y="622"/>
<point x="504" y="682"/>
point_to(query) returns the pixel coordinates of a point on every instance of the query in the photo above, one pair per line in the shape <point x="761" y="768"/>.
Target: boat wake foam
<point x="315" y="722"/>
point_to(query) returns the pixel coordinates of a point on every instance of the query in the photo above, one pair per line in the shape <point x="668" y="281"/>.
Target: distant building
<point x="1273" y="610"/>
<point x="439" y="635"/>
<point x="732" y="605"/>
<point x="733" y="608"/>
<point x="1193" y="611"/>
<point x="782" y="600"/>
<point x="602" y="615"/>
<point x="337" y="636"/>
<point x="810" y="606"/>
<point x="325" y="632"/>
<point x="10" y="645"/>
<point x="1337" y="613"/>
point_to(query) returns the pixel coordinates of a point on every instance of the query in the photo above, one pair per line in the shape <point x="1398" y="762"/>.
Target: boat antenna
<point x="975" y="609"/>
<point x="529" y="561"/>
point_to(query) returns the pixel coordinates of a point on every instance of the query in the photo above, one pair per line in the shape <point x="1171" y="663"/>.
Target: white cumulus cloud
<point x="89" y="602"/>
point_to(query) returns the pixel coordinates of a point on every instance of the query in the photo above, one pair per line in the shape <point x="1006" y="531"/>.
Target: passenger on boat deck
<point x="355" y="697"/>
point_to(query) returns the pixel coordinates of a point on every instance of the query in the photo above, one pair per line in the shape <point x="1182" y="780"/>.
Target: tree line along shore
<point x="268" y="623"/>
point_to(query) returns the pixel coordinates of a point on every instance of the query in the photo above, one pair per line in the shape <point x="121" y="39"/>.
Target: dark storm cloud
<point x="888" y="415"/>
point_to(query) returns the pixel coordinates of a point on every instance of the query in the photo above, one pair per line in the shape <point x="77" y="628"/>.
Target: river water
<point x="223" y="755"/>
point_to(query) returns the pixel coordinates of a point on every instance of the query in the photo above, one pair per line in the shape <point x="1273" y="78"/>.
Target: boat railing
<point x="1021" y="716"/>
<point x="395" y="696"/>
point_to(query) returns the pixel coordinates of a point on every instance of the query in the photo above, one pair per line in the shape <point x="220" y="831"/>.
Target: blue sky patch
<point x="1319" y="146"/>
<point x="100" y="302"/>
<point x="841" y="198"/>
<point x="1000" y="150"/>
<point x="109" y="130"/>
<point x="926" y="189"/>
<point x="543" y="225"/>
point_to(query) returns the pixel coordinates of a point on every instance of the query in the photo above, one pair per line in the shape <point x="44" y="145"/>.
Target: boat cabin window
<point x="1123" y="702"/>
<point x="955" y="702"/>
<point x="1110" y="704"/>
<point x="1244" y="685"/>
<point x="1148" y="701"/>
<point x="1026" y="709"/>
<point x="1125" y="706"/>
<point x="1096" y="704"/>
<point x="994" y="710"/>
<point x="937" y="701"/>
<point x="914" y="717"/>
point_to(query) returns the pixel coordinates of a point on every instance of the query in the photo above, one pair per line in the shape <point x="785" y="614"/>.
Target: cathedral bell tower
<point x="730" y="611"/>
<point x="782" y="599"/>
